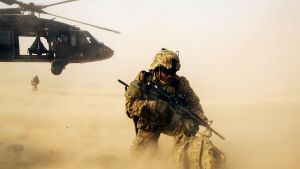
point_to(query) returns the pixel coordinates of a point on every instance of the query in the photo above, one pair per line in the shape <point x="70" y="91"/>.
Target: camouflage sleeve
<point x="192" y="99"/>
<point x="134" y="99"/>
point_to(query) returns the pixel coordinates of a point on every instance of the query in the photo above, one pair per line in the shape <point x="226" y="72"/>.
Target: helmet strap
<point x="159" y="73"/>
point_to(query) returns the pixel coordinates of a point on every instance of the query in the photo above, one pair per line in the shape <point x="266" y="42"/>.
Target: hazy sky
<point x="228" y="48"/>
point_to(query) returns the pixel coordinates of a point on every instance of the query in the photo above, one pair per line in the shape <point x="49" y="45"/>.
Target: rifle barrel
<point x="123" y="83"/>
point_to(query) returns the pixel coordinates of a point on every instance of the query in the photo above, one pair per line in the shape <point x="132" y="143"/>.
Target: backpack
<point x="200" y="153"/>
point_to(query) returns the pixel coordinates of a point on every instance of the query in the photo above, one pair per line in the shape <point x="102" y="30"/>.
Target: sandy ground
<point x="80" y="129"/>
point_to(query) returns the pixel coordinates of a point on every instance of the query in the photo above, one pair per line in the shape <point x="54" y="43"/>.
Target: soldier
<point x="154" y="114"/>
<point x="34" y="82"/>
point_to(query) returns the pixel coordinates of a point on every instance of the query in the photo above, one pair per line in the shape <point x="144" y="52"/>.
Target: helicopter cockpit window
<point x="62" y="38"/>
<point x="88" y="39"/>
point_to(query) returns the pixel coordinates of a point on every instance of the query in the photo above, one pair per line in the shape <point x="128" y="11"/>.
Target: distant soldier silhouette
<point x="34" y="82"/>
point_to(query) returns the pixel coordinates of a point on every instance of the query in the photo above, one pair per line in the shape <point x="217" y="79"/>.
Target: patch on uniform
<point x="129" y="93"/>
<point x="132" y="91"/>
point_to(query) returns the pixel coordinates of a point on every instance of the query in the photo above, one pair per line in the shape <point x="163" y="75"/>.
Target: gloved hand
<point x="159" y="106"/>
<point x="191" y="127"/>
<point x="155" y="110"/>
<point x="202" y="117"/>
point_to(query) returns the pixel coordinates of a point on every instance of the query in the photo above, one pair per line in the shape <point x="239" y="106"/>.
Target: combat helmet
<point x="166" y="59"/>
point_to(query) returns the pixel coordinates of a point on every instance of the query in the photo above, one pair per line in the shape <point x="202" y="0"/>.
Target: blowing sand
<point x="88" y="129"/>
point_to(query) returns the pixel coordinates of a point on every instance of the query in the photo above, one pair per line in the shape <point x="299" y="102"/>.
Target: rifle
<point x="123" y="83"/>
<point x="175" y="101"/>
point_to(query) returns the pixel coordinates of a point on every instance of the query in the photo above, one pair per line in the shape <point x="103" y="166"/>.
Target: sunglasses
<point x="168" y="71"/>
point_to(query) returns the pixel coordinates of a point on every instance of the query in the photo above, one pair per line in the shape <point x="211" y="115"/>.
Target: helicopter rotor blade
<point x="11" y="2"/>
<point x="83" y="23"/>
<point x="8" y="2"/>
<point x="23" y="6"/>
<point x="45" y="6"/>
<point x="10" y="11"/>
<point x="31" y="6"/>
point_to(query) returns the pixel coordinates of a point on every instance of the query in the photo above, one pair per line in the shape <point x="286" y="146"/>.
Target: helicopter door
<point x="5" y="38"/>
<point x="73" y="40"/>
<point x="6" y="43"/>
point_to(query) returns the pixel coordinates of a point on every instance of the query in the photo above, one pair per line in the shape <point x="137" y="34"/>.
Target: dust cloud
<point x="65" y="129"/>
<point x="58" y="129"/>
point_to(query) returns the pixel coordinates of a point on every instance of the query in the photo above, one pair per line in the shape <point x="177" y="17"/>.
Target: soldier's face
<point x="167" y="75"/>
<point x="171" y="71"/>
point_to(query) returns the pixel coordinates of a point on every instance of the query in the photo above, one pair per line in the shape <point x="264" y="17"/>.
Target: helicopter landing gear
<point x="57" y="66"/>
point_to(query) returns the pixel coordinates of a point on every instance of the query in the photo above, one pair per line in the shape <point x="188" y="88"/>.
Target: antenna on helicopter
<point x="33" y="8"/>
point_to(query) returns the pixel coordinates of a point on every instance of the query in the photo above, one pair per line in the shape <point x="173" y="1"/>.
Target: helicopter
<point x="65" y="43"/>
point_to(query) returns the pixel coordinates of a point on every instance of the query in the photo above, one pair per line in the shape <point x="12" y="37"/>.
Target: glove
<point x="159" y="106"/>
<point x="191" y="127"/>
<point x="155" y="110"/>
<point x="202" y="117"/>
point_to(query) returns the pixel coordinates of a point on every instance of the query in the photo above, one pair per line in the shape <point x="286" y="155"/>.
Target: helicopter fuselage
<point x="65" y="43"/>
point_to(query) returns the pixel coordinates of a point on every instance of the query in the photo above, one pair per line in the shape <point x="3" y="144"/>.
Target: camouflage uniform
<point x="155" y="115"/>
